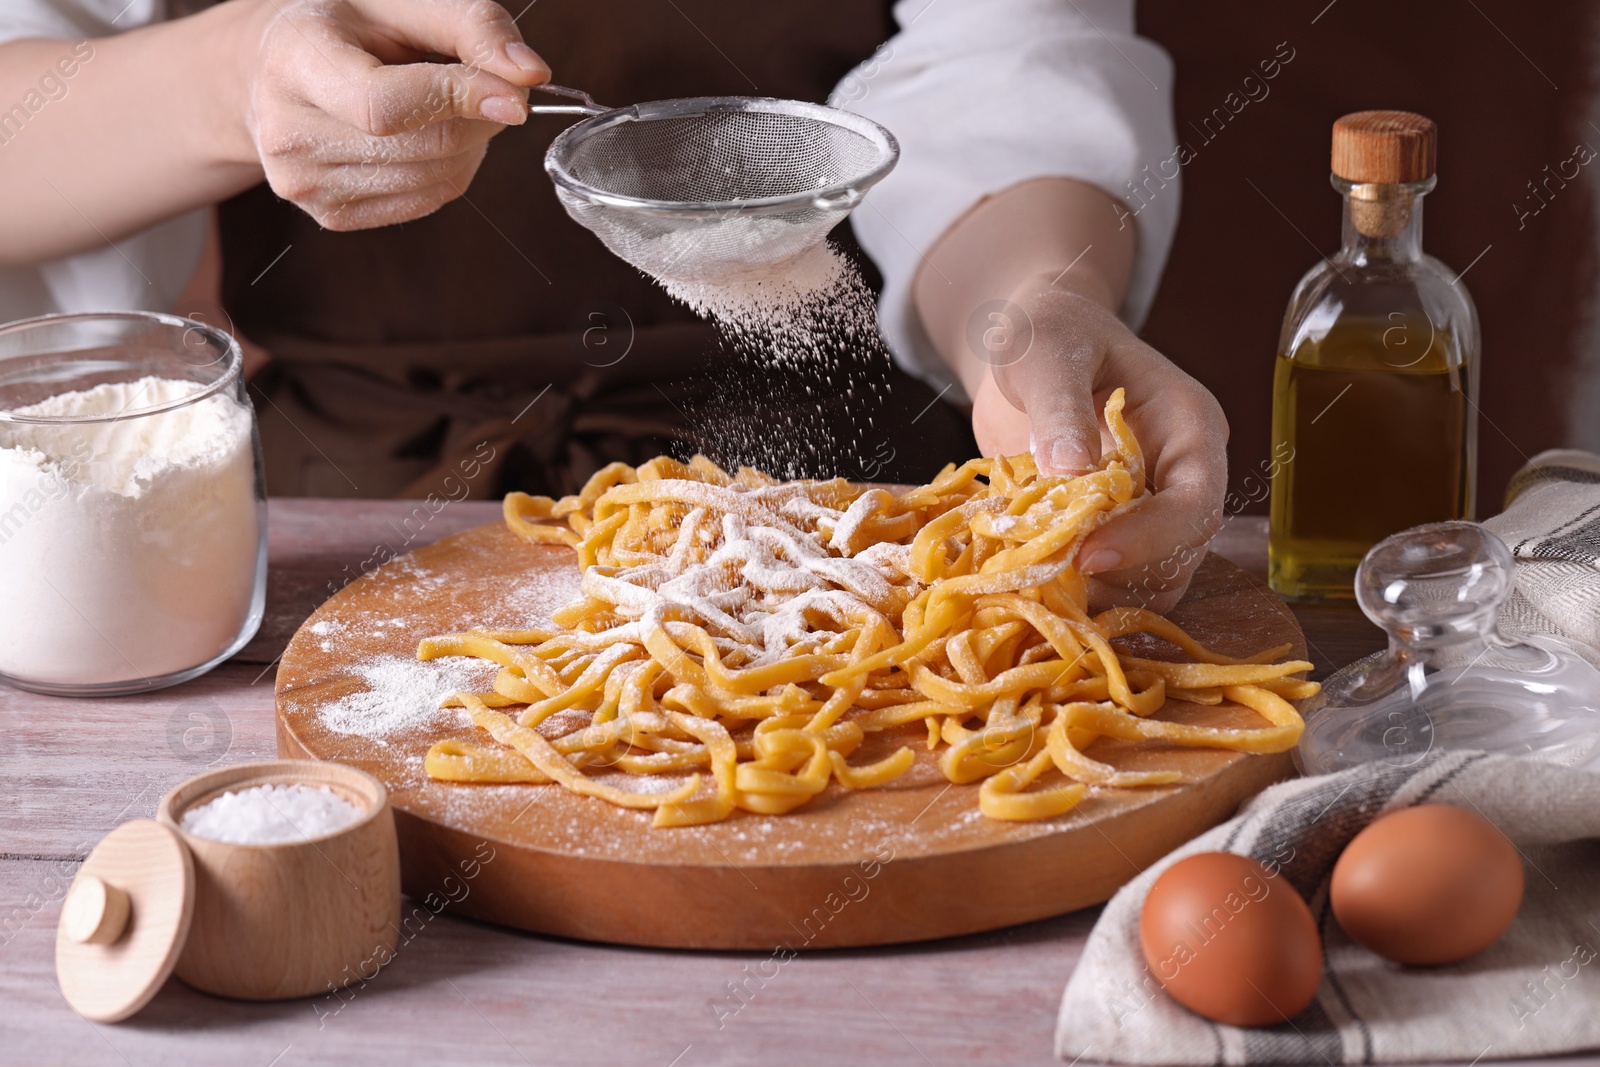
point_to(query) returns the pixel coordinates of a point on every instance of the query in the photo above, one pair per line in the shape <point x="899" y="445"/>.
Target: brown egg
<point x="1427" y="885"/>
<point x="1230" y="940"/>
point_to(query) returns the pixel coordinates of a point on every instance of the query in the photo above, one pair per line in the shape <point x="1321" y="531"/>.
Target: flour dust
<point x="807" y="371"/>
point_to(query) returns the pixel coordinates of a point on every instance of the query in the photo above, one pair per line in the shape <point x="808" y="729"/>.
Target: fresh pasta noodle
<point x="745" y="636"/>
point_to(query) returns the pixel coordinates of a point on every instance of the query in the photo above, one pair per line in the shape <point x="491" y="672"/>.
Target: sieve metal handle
<point x="585" y="106"/>
<point x="842" y="200"/>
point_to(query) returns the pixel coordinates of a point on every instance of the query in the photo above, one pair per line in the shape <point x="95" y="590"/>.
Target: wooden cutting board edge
<point x="551" y="892"/>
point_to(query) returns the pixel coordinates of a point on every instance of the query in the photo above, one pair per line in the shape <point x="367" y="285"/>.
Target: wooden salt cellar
<point x="1381" y="153"/>
<point x="249" y="921"/>
<point x="290" y="919"/>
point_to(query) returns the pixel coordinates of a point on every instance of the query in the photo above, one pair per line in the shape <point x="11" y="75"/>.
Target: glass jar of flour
<point x="133" y="522"/>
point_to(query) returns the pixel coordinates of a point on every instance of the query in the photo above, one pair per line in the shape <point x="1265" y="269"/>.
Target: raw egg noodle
<point x="756" y="631"/>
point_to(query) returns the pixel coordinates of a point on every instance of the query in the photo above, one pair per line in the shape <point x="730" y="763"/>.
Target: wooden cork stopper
<point x="1384" y="147"/>
<point x="1380" y="151"/>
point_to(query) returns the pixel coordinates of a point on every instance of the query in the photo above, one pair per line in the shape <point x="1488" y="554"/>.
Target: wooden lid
<point x="1384" y="147"/>
<point x="124" y="921"/>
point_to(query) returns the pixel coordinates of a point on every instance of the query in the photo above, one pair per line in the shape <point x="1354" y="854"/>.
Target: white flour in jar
<point x="128" y="549"/>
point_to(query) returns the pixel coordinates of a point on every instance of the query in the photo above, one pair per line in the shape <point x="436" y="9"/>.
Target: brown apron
<point x="496" y="344"/>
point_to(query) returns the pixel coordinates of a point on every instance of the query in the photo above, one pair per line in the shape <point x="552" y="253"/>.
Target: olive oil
<point x="1374" y="399"/>
<point x="1378" y="447"/>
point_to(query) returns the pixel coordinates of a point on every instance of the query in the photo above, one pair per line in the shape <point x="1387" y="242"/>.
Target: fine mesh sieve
<point x="709" y="187"/>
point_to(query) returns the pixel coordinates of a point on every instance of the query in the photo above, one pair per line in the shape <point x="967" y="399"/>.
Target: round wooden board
<point x="911" y="861"/>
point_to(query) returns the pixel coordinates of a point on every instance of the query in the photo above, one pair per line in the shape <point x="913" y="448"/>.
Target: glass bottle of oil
<point x="1375" y="394"/>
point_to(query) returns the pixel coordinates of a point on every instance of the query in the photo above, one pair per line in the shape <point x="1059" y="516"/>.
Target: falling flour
<point x="763" y="296"/>
<point x="805" y="330"/>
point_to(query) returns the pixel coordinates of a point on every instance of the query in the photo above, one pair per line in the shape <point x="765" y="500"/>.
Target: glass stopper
<point x="1450" y="679"/>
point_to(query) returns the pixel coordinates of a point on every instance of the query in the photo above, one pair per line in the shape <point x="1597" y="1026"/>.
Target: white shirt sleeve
<point x="146" y="271"/>
<point x="984" y="94"/>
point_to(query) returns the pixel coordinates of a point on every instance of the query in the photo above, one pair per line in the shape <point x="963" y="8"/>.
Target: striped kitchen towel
<point x="1552" y="525"/>
<point x="1536" y="992"/>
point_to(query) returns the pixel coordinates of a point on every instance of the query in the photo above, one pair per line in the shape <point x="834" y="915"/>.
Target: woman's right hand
<point x="353" y="123"/>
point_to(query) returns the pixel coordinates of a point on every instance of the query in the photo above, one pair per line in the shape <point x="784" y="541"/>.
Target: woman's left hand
<point x="1048" y="400"/>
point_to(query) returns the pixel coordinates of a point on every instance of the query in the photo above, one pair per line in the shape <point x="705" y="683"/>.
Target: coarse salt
<point x="271" y="814"/>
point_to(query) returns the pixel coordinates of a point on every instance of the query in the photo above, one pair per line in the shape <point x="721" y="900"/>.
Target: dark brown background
<point x="1508" y="85"/>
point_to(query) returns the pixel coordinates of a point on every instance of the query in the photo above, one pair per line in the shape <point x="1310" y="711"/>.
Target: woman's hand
<point x="335" y="102"/>
<point x="1048" y="400"/>
<point x="350" y="120"/>
<point x="1019" y="297"/>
